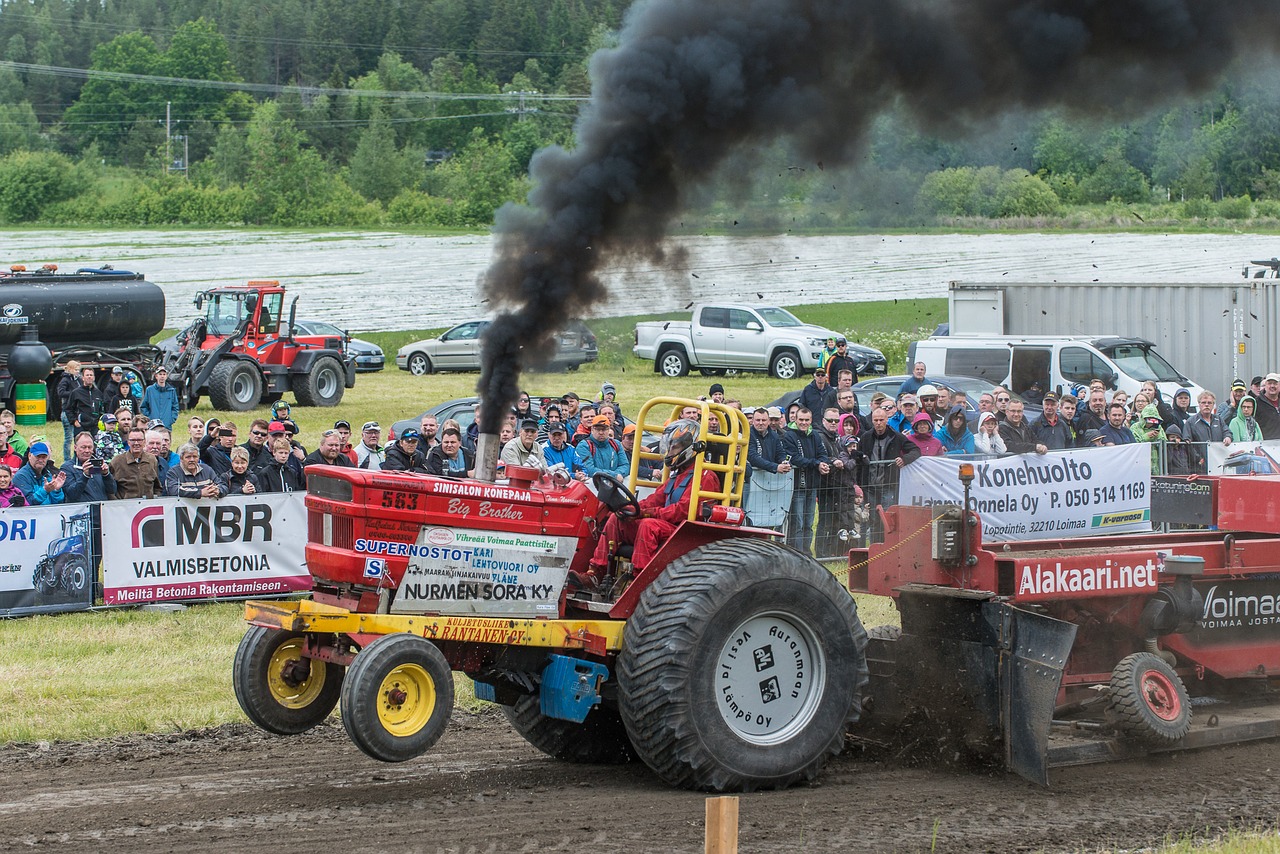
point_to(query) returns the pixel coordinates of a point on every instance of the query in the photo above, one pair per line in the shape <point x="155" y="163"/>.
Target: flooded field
<point x="376" y="281"/>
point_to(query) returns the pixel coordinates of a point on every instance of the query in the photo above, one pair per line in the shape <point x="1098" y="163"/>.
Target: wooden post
<point x="722" y="826"/>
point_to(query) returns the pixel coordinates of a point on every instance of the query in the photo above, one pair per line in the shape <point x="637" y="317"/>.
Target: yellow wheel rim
<point x="406" y="699"/>
<point x="290" y="692"/>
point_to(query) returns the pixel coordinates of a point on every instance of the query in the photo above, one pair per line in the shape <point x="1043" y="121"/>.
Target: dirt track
<point x="485" y="790"/>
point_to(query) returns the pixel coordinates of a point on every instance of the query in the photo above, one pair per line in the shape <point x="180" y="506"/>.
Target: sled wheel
<point x="601" y="739"/>
<point x="397" y="697"/>
<point x="741" y="667"/>
<point x="279" y="688"/>
<point x="1148" y="700"/>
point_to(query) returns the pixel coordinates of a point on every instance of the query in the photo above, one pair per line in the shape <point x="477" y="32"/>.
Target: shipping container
<point x="1213" y="332"/>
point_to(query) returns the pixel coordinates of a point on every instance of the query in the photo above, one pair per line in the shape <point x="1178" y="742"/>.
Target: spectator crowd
<point x="838" y="461"/>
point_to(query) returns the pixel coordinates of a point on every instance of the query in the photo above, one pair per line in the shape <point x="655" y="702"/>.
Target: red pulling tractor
<point x="732" y="662"/>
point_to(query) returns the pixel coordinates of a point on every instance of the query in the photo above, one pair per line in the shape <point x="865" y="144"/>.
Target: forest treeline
<point x="369" y="113"/>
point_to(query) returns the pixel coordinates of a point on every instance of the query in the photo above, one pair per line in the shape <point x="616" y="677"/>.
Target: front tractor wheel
<point x="234" y="386"/>
<point x="1148" y="700"/>
<point x="323" y="385"/>
<point x="279" y="688"/>
<point x="397" y="697"/>
<point x="742" y="666"/>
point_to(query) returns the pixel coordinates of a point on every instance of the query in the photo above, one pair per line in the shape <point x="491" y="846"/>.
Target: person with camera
<point x="218" y="453"/>
<point x="88" y="478"/>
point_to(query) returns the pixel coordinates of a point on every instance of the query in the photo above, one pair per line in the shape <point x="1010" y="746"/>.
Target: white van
<point x="1054" y="363"/>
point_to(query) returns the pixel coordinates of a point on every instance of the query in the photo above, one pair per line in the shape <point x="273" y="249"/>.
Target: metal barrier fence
<point x="830" y="518"/>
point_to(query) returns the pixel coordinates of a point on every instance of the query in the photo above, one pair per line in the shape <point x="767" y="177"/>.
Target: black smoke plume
<point x="691" y="81"/>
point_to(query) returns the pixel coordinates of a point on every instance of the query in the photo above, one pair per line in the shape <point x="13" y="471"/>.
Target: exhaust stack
<point x="488" y="445"/>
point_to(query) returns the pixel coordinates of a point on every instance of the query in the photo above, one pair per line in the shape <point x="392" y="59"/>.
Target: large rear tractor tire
<point x="280" y="689"/>
<point x="397" y="697"/>
<point x="234" y="386"/>
<point x="1148" y="701"/>
<point x="323" y="385"/>
<point x="741" y="668"/>
<point x="601" y="739"/>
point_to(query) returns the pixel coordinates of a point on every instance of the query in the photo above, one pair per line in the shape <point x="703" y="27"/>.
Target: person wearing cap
<point x="841" y="361"/>
<point x="523" y="449"/>
<point x="828" y="350"/>
<point x="119" y="394"/>
<point x="86" y="404"/>
<point x="557" y="450"/>
<point x="928" y="397"/>
<point x="716" y="392"/>
<point x="908" y="406"/>
<point x="550" y="415"/>
<point x="1227" y="409"/>
<point x="1052" y="430"/>
<point x="404" y="454"/>
<point x="329" y="453"/>
<point x="1202" y="429"/>
<point x="819" y="394"/>
<point x="109" y="441"/>
<point x="600" y="452"/>
<point x="40" y="482"/>
<point x="344" y="430"/>
<point x="1182" y="408"/>
<point x="1268" y="408"/>
<point x="1093" y="438"/>
<point x="191" y="478"/>
<point x="776" y="420"/>
<point x="160" y="400"/>
<point x="369" y="453"/>
<point x="68" y="382"/>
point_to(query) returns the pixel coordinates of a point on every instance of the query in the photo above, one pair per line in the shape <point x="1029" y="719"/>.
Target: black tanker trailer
<point x="98" y="317"/>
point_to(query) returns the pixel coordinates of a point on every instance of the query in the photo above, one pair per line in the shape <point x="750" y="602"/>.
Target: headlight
<point x="817" y="342"/>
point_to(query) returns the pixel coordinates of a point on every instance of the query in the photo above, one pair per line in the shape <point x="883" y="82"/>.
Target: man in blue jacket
<point x="40" y="482"/>
<point x="160" y="400"/>
<point x="87" y="482"/>
<point x="764" y="449"/>
<point x="601" y="452"/>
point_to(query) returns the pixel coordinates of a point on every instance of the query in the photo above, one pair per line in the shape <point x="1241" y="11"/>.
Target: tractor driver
<point x="663" y="511"/>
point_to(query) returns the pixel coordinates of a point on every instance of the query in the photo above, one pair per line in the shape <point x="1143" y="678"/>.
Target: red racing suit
<point x="661" y="513"/>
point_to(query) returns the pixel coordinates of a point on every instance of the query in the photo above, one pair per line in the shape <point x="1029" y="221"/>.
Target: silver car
<point x="459" y="349"/>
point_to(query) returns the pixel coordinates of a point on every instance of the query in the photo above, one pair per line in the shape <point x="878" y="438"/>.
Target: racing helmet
<point x="680" y="443"/>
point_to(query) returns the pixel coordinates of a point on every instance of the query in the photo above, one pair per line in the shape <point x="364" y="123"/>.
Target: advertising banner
<point x="473" y="571"/>
<point x="172" y="549"/>
<point x="47" y="559"/>
<point x="1245" y="458"/>
<point x="1079" y="493"/>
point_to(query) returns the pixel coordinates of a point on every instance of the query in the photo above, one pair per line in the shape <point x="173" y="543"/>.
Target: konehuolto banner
<point x="47" y="559"/>
<point x="174" y="549"/>
<point x="1080" y="493"/>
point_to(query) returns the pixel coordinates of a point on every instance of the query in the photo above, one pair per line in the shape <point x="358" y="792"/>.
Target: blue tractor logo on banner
<point x="65" y="564"/>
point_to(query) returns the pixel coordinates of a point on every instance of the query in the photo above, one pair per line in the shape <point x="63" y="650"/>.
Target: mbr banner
<point x="1078" y="493"/>
<point x="48" y="561"/>
<point x="171" y="549"/>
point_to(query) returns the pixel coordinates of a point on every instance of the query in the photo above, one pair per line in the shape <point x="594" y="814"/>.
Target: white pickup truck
<point x="732" y="336"/>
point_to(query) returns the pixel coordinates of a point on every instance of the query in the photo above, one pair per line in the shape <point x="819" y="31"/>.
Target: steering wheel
<point x="615" y="495"/>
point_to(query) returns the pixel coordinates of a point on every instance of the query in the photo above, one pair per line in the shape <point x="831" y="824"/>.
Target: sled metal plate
<point x="1040" y="647"/>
